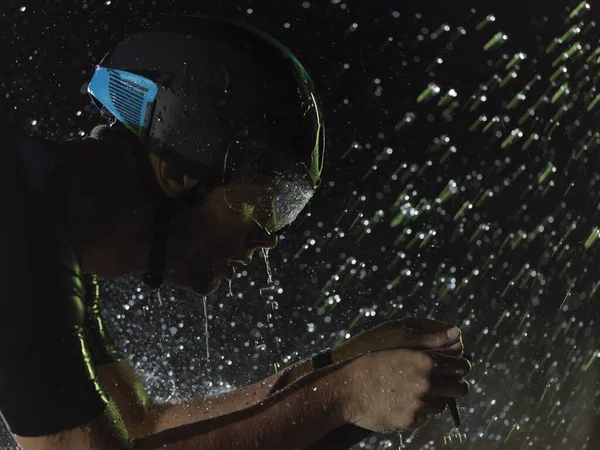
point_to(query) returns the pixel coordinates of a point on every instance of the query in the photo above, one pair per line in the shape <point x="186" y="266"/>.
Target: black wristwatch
<point x="321" y="359"/>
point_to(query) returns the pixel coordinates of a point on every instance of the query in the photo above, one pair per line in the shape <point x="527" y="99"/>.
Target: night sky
<point x="462" y="182"/>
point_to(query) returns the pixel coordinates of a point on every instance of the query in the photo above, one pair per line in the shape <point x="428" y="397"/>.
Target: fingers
<point x="450" y="366"/>
<point x="455" y="349"/>
<point x="429" y="334"/>
<point x="446" y="333"/>
<point x="423" y="339"/>
<point x="448" y="387"/>
<point x="447" y="375"/>
<point x="410" y="333"/>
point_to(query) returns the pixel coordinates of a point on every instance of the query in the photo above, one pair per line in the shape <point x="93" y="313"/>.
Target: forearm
<point x="169" y="416"/>
<point x="292" y="418"/>
<point x="143" y="417"/>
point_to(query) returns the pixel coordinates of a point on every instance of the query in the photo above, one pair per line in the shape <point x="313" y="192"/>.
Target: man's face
<point x="206" y="242"/>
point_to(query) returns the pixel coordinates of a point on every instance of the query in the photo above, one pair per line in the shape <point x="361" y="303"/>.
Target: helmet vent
<point x="128" y="99"/>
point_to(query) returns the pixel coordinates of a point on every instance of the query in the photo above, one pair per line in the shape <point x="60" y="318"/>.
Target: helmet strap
<point x="164" y="210"/>
<point x="157" y="258"/>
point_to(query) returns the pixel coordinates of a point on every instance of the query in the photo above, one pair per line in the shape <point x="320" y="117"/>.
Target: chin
<point x="199" y="282"/>
<point x="205" y="288"/>
<point x="214" y="287"/>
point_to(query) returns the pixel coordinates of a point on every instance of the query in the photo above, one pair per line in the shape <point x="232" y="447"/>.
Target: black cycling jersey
<point x="47" y="377"/>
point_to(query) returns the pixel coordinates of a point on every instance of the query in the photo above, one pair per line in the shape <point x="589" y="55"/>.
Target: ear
<point x="172" y="181"/>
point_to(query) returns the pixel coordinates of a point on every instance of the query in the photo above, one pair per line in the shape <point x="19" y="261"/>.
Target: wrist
<point x="334" y="393"/>
<point x="342" y="384"/>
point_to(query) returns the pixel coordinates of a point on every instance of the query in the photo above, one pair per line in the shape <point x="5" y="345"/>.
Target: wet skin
<point x="112" y="221"/>
<point x="206" y="242"/>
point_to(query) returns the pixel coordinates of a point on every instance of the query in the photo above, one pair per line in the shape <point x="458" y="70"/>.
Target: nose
<point x="261" y="238"/>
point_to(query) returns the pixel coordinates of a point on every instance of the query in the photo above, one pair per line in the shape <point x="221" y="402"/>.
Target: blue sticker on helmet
<point x="127" y="96"/>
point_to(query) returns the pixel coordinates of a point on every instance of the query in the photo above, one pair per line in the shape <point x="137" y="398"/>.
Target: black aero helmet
<point x="224" y="103"/>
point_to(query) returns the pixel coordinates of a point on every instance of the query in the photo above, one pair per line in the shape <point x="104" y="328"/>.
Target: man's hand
<point x="417" y="334"/>
<point x="395" y="390"/>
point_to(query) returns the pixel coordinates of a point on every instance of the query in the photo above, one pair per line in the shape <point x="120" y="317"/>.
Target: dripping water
<point x="206" y="327"/>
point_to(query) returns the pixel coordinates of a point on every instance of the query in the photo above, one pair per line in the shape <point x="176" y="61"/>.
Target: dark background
<point x="455" y="223"/>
